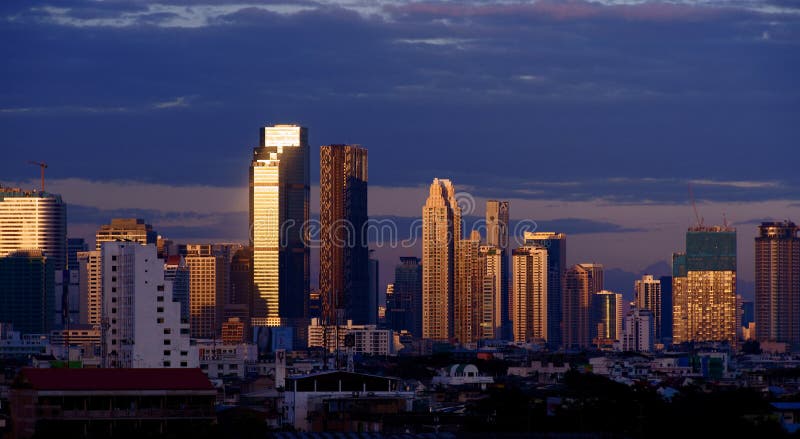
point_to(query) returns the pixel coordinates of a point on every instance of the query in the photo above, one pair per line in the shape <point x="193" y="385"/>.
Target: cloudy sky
<point x="590" y="116"/>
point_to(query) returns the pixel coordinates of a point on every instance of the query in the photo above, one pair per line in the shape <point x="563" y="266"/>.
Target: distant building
<point x="441" y="229"/>
<point x="468" y="288"/>
<point x="240" y="298"/>
<point x="404" y="306"/>
<point x="647" y="295"/>
<point x="366" y="339"/>
<point x="666" y="309"/>
<point x="31" y="220"/>
<point x="279" y="214"/>
<point x="748" y="313"/>
<point x="75" y="245"/>
<point x="373" y="291"/>
<point x="126" y="229"/>
<point x="581" y="283"/>
<point x="27" y="291"/>
<point x="177" y="272"/>
<point x="777" y="305"/>
<point x="494" y="299"/>
<point x="704" y="287"/>
<point x="219" y="360"/>
<point x="233" y="331"/>
<point x="497" y="227"/>
<point x="637" y="334"/>
<point x="529" y="293"/>
<point x="607" y="317"/>
<point x="461" y="375"/>
<point x="143" y="325"/>
<point x="206" y="290"/>
<point x="63" y="402"/>
<point x="556" y="245"/>
<point x="91" y="287"/>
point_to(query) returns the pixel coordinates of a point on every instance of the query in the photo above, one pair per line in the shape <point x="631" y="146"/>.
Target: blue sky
<point x="591" y="116"/>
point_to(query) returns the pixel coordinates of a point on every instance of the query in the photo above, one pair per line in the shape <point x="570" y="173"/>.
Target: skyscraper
<point x="497" y="225"/>
<point x="581" y="283"/>
<point x="556" y="245"/>
<point x="144" y="326"/>
<point x="638" y="332"/>
<point x="75" y="245"/>
<point x="91" y="288"/>
<point x="239" y="302"/>
<point x="666" y="309"/>
<point x="441" y="228"/>
<point x="704" y="287"/>
<point x="206" y="290"/>
<point x="126" y="229"/>
<point x="777" y="304"/>
<point x="467" y="293"/>
<point x="494" y="306"/>
<point x="32" y="220"/>
<point x="404" y="310"/>
<point x="26" y="291"/>
<point x="607" y="317"/>
<point x="530" y="294"/>
<point x="279" y="214"/>
<point x="647" y="295"/>
<point x="344" y="251"/>
<point x="177" y="272"/>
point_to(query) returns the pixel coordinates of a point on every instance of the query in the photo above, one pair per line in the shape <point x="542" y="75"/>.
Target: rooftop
<point x="113" y="379"/>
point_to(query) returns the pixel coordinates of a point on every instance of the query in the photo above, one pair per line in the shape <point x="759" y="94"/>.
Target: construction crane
<point x="694" y="206"/>
<point x="42" y="166"/>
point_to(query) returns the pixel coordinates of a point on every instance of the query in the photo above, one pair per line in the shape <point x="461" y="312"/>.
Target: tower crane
<point x="42" y="166"/>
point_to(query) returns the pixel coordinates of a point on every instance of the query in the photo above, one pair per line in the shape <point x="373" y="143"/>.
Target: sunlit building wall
<point x="556" y="245"/>
<point x="647" y="295"/>
<point x="581" y="283"/>
<point x="206" y="290"/>
<point x="467" y="294"/>
<point x="494" y="305"/>
<point x="126" y="229"/>
<point x="777" y="264"/>
<point x="607" y="316"/>
<point x="497" y="229"/>
<point x="31" y="220"/>
<point x="529" y="292"/>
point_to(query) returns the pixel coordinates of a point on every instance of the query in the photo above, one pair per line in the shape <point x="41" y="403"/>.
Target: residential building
<point x="404" y="306"/>
<point x="91" y="288"/>
<point x="366" y="339"/>
<point x="529" y="293"/>
<point x="494" y="298"/>
<point x="31" y="220"/>
<point x="468" y="289"/>
<point x="607" y="317"/>
<point x="497" y="227"/>
<point x="637" y="334"/>
<point x="647" y="295"/>
<point x="27" y="299"/>
<point x="177" y="271"/>
<point x="581" y="283"/>
<point x="556" y="245"/>
<point x="126" y="229"/>
<point x="777" y="304"/>
<point x="206" y="290"/>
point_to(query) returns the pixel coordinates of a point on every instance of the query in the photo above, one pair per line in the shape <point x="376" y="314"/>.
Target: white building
<point x="638" y="333"/>
<point x="368" y="339"/>
<point x="142" y="325"/>
<point x="461" y="374"/>
<point x="218" y="360"/>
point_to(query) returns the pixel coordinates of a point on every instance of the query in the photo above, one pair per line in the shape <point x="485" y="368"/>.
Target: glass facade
<point x="556" y="245"/>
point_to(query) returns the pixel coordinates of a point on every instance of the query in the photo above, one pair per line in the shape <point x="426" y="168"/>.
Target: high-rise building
<point x="404" y="306"/>
<point x="666" y="309"/>
<point x="441" y="229"/>
<point x="239" y="303"/>
<point x="529" y="294"/>
<point x="637" y="334"/>
<point x="777" y="304"/>
<point x="31" y="220"/>
<point x="647" y="295"/>
<point x="581" y="283"/>
<point x="279" y="214"/>
<point x="26" y="291"/>
<point x="704" y="287"/>
<point x="607" y="317"/>
<point x="91" y="288"/>
<point x="493" y="304"/>
<point x="373" y="291"/>
<point x="556" y="245"/>
<point x="206" y="290"/>
<point x="748" y="313"/>
<point x="177" y="272"/>
<point x="497" y="226"/>
<point x="467" y="290"/>
<point x="126" y="229"/>
<point x="143" y="325"/>
<point x="344" y="251"/>
<point x="75" y="245"/>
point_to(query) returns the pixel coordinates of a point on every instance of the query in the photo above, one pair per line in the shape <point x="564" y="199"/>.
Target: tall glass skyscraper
<point x="404" y="310"/>
<point x="279" y="213"/>
<point x="497" y="224"/>
<point x="344" y="251"/>
<point x="581" y="283"/>
<point x="33" y="220"/>
<point x="777" y="307"/>
<point x="556" y="246"/>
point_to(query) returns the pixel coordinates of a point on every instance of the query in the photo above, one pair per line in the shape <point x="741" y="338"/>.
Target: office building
<point x="143" y="326"/>
<point x="279" y="214"/>
<point x="404" y="305"/>
<point x="581" y="283"/>
<point x="497" y="227"/>
<point x="607" y="318"/>
<point x="556" y="245"/>
<point x="468" y="286"/>
<point x="26" y="291"/>
<point x="126" y="229"/>
<point x="529" y="293"/>
<point x="494" y="308"/>
<point x="91" y="288"/>
<point x="177" y="272"/>
<point x="366" y="339"/>
<point x="344" y="251"/>
<point x="637" y="335"/>
<point x="441" y="229"/>
<point x="31" y="220"/>
<point x="206" y="290"/>
<point x="704" y="287"/>
<point x="647" y="295"/>
<point x="373" y="291"/>
<point x="777" y="304"/>
<point x="666" y="309"/>
<point x="75" y="245"/>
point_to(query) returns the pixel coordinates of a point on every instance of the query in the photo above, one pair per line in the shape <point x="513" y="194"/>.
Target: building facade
<point x="556" y="245"/>
<point x="441" y="228"/>
<point x="494" y="308"/>
<point x="581" y="283"/>
<point x="468" y="289"/>
<point x="497" y="227"/>
<point x="33" y="220"/>
<point x="279" y="214"/>
<point x="206" y="290"/>
<point x="777" y="304"/>
<point x="27" y="299"/>
<point x="637" y="335"/>
<point x="126" y="229"/>
<point x="404" y="306"/>
<point x="529" y="292"/>
<point x="647" y="295"/>
<point x="607" y="317"/>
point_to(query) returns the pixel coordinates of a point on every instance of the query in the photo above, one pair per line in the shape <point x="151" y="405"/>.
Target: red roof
<point x="113" y="379"/>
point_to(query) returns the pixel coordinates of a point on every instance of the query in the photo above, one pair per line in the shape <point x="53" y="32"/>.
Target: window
<point x="184" y="364"/>
<point x="114" y="258"/>
<point x="183" y="330"/>
<point x="114" y="341"/>
<point x="167" y="342"/>
<point x="113" y="310"/>
<point x="160" y="320"/>
<point x="184" y="353"/>
<point x="113" y="300"/>
<point x="160" y="299"/>
<point x="160" y="288"/>
<point x="167" y="331"/>
<point x="160" y="309"/>
<point x="167" y="364"/>
<point x="167" y="353"/>
<point x="113" y="278"/>
<point x="113" y="289"/>
<point x="113" y="331"/>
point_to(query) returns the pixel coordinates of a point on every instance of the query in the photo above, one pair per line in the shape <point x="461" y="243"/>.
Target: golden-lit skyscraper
<point x="441" y="228"/>
<point x="556" y="245"/>
<point x="126" y="229"/>
<point x="279" y="213"/>
<point x="31" y="220"/>
<point x="494" y="306"/>
<point x="647" y="295"/>
<point x="581" y="283"/>
<point x="704" y="287"/>
<point x="206" y="290"/>
<point x="468" y="279"/>
<point x="607" y="317"/>
<point x="497" y="226"/>
<point x="529" y="287"/>
<point x="344" y="250"/>
<point x="777" y="305"/>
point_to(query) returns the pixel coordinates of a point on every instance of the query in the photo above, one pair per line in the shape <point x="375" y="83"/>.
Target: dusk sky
<point x="590" y="116"/>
